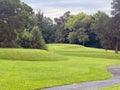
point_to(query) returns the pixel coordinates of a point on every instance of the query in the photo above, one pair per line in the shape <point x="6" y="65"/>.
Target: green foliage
<point x="8" y="38"/>
<point x="78" y="36"/>
<point x="72" y="37"/>
<point x="14" y="17"/>
<point x="82" y="35"/>
<point x="107" y="31"/>
<point x="80" y="24"/>
<point x="32" y="39"/>
<point x="77" y="21"/>
<point x="29" y="69"/>
<point x="115" y="24"/>
<point x="46" y="26"/>
<point x="61" y="34"/>
<point x="25" y="39"/>
<point x="18" y="21"/>
<point x="37" y="39"/>
<point x="101" y="29"/>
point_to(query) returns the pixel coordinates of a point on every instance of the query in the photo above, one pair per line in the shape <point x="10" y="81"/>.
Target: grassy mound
<point x="29" y="55"/>
<point x="80" y="51"/>
<point x="76" y="64"/>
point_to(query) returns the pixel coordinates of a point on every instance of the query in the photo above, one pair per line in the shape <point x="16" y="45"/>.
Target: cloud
<point x="56" y="8"/>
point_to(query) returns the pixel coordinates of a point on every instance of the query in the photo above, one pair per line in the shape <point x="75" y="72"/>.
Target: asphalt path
<point x="93" y="85"/>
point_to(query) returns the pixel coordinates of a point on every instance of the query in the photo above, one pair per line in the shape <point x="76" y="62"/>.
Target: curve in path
<point x="94" y="85"/>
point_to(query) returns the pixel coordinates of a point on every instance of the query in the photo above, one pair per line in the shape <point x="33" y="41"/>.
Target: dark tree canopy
<point x="14" y="16"/>
<point x="115" y="23"/>
<point x="16" y="20"/>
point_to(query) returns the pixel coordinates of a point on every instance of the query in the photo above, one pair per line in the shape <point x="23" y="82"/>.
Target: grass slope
<point x="117" y="87"/>
<point x="28" y="69"/>
<point x="29" y="55"/>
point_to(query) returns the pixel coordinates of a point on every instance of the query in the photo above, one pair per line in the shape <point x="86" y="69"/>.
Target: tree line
<point x="18" y="26"/>
<point x="21" y="27"/>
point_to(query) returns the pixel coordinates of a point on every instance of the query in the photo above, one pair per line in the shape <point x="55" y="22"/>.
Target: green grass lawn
<point x="117" y="87"/>
<point x="29" y="69"/>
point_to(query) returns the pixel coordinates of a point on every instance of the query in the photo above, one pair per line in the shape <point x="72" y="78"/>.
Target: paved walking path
<point x="94" y="85"/>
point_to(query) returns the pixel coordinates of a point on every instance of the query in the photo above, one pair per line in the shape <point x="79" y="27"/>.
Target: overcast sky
<point x="56" y="8"/>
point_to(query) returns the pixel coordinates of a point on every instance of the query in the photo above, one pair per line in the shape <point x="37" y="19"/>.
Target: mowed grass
<point x="29" y="69"/>
<point x="29" y="55"/>
<point x="117" y="87"/>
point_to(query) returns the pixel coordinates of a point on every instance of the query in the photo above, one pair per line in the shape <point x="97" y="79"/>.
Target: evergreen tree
<point x="37" y="39"/>
<point x="25" y="39"/>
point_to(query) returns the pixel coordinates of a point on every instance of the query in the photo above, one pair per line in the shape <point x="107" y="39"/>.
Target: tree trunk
<point x="83" y="43"/>
<point x="116" y="48"/>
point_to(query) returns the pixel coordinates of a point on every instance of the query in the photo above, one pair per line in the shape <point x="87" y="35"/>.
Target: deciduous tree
<point x="14" y="17"/>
